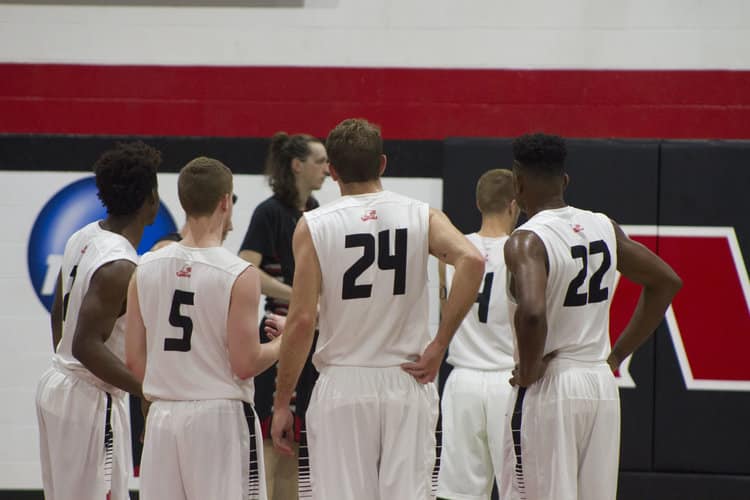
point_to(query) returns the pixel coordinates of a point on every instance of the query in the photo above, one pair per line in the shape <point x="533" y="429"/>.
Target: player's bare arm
<point x="660" y="284"/>
<point x="442" y="285"/>
<point x="451" y="247"/>
<point x="56" y="317"/>
<point x="247" y="356"/>
<point x="298" y="334"/>
<point x="526" y="259"/>
<point x="268" y="284"/>
<point x="135" y="333"/>
<point x="100" y="308"/>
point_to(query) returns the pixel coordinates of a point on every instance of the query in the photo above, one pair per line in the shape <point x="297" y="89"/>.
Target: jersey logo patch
<point x="577" y="228"/>
<point x="83" y="250"/>
<point x="184" y="272"/>
<point x="370" y="215"/>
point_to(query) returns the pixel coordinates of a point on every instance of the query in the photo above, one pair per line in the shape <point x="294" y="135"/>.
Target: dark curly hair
<point x="125" y="176"/>
<point x="544" y="154"/>
<point x="283" y="149"/>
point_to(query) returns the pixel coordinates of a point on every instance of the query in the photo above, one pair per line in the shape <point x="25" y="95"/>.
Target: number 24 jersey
<point x="373" y="251"/>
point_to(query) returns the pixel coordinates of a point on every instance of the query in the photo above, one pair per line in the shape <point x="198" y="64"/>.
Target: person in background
<point x="296" y="165"/>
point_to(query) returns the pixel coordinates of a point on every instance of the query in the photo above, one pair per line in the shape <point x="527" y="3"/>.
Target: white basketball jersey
<point x="484" y="340"/>
<point x="184" y="295"/>
<point x="582" y="252"/>
<point x="87" y="250"/>
<point x="373" y="251"/>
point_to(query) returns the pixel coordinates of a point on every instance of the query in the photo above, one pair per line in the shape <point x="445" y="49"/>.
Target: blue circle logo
<point x="66" y="212"/>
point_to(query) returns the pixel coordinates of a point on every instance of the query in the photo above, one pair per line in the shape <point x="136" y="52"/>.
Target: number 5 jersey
<point x="184" y="297"/>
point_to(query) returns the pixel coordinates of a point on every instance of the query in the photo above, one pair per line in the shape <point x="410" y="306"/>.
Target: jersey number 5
<point x="397" y="262"/>
<point x="595" y="291"/>
<point x="178" y="320"/>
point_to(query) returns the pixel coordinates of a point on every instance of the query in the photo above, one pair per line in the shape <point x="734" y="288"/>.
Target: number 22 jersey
<point x="582" y="252"/>
<point x="373" y="251"/>
<point x="184" y="294"/>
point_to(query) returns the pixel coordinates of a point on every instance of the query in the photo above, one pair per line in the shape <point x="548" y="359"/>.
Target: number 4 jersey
<point x="373" y="250"/>
<point x="484" y="340"/>
<point x="582" y="253"/>
<point x="183" y="294"/>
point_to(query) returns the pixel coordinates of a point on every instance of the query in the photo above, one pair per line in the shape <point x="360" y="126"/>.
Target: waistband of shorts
<point x="361" y="370"/>
<point x="559" y="365"/>
<point x="87" y="377"/>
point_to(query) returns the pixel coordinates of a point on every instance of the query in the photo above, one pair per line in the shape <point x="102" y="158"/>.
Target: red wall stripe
<point x="408" y="103"/>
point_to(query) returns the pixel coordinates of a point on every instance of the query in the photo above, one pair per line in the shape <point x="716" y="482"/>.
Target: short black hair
<point x="126" y="175"/>
<point x="543" y="153"/>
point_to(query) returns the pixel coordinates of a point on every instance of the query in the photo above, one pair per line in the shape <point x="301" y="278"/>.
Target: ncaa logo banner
<point x="71" y="208"/>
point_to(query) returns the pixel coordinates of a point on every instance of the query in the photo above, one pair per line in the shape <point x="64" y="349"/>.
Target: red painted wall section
<point x="408" y="103"/>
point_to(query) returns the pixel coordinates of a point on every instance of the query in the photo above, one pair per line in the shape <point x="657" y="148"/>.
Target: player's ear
<point x="383" y="161"/>
<point x="333" y="173"/>
<point x="566" y="181"/>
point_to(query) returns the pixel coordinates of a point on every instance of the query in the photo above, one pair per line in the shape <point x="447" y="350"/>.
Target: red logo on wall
<point x="709" y="320"/>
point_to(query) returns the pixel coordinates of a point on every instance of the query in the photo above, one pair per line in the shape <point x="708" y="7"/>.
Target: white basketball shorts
<point x="474" y="416"/>
<point x="564" y="439"/>
<point x="371" y="433"/>
<point x="195" y="450"/>
<point x="84" y="438"/>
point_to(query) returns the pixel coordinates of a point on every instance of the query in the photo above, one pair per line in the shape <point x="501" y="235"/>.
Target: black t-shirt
<point x="270" y="234"/>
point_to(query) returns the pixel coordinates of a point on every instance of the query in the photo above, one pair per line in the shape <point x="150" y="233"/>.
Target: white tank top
<point x="373" y="252"/>
<point x="582" y="252"/>
<point x="484" y="340"/>
<point x="86" y="251"/>
<point x="184" y="295"/>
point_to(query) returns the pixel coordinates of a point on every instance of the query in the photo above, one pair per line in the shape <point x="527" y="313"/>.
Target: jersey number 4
<point x="595" y="291"/>
<point x="397" y="262"/>
<point x="178" y="320"/>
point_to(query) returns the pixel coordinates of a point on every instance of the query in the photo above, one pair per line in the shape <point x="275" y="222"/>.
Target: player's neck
<point x="128" y="227"/>
<point x="545" y="204"/>
<point x="355" y="188"/>
<point x="203" y="232"/>
<point x="495" y="226"/>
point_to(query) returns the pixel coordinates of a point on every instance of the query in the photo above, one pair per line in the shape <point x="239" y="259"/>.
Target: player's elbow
<point x="472" y="264"/>
<point x="674" y="283"/>
<point x="530" y="319"/>
<point x="80" y="349"/>
<point x="245" y="371"/>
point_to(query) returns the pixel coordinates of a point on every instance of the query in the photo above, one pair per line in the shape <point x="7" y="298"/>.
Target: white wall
<point x="634" y="34"/>
<point x="25" y="341"/>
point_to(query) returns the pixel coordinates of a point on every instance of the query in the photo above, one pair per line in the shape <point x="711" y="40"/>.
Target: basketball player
<point x="192" y="338"/>
<point x="372" y="415"/>
<point x="477" y="390"/>
<point x="84" y="433"/>
<point x="565" y="439"/>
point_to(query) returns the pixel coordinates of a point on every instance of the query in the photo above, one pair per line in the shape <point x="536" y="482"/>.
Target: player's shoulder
<point x="112" y="246"/>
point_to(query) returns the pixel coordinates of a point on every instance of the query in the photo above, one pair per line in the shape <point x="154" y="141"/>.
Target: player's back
<point x="484" y="340"/>
<point x="86" y="251"/>
<point x="184" y="296"/>
<point x="582" y="253"/>
<point x="373" y="251"/>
